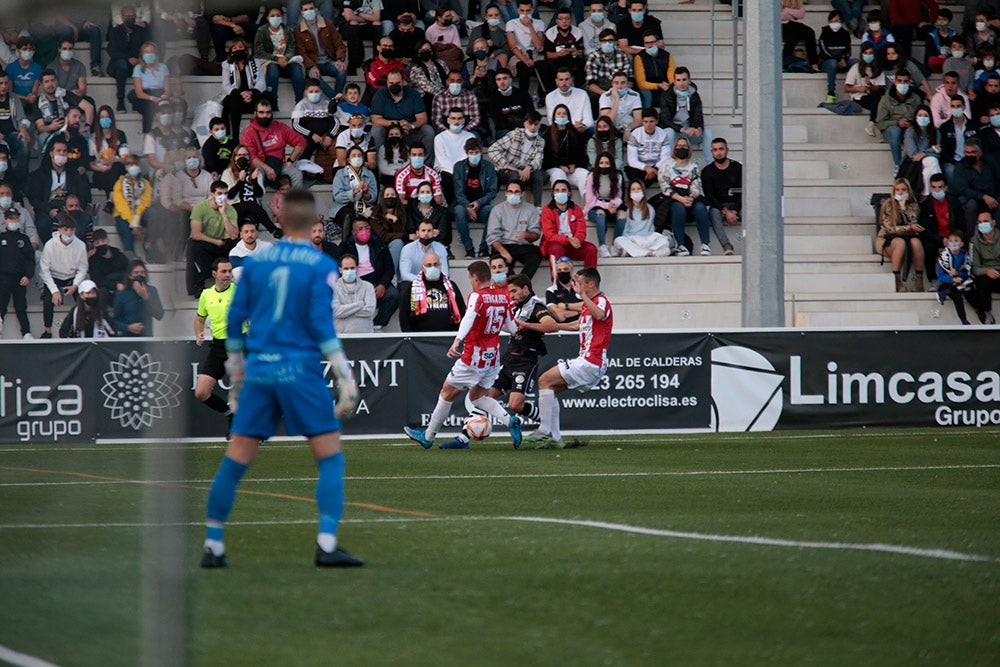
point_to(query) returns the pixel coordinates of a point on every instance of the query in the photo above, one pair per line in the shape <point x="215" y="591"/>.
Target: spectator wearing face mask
<point x="132" y="197"/>
<point x="940" y="215"/>
<point x="406" y="33"/>
<point x="428" y="75"/>
<point x="877" y="35"/>
<point x="125" y="42"/>
<point x="475" y="183"/>
<point x="274" y="45"/>
<point x="958" y="62"/>
<point x="107" y="265"/>
<point x="356" y="136"/>
<point x="895" y="113"/>
<point x="62" y="267"/>
<point x="71" y="76"/>
<point x="375" y="267"/>
<point x="986" y="264"/>
<point x="953" y="135"/>
<point x="682" y="113"/>
<point x="25" y="75"/>
<point x="402" y="105"/>
<point x="411" y="259"/>
<point x="49" y="186"/>
<point x="355" y="191"/>
<point x="941" y="101"/>
<point x="834" y="47"/>
<point x="431" y="301"/>
<point x="268" y="140"/>
<point x="361" y="21"/>
<point x="987" y="66"/>
<point x="323" y="50"/>
<point x="354" y="303"/>
<point x="137" y="303"/>
<point x="455" y="96"/>
<point x="89" y="318"/>
<point x="214" y="232"/>
<point x="243" y="83"/>
<point x="493" y="32"/>
<point x="27" y="221"/>
<point x="518" y="156"/>
<point x="150" y="85"/>
<point x="865" y="82"/>
<point x="312" y="119"/>
<point x="17" y="268"/>
<point x="561" y="299"/>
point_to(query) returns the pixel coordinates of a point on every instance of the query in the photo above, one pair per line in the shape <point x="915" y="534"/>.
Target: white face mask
<point x="875" y="27"/>
<point x="836" y="26"/>
<point x="220" y="200"/>
<point x="899" y="198"/>
<point x="6" y="202"/>
<point x="637" y="196"/>
<point x="356" y="162"/>
<point x="133" y="170"/>
<point x="60" y="160"/>
<point x="981" y="26"/>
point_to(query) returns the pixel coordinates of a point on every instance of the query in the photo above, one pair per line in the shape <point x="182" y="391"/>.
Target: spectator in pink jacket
<point x="941" y="101"/>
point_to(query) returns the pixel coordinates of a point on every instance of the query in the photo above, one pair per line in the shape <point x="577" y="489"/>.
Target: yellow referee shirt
<point x="214" y="305"/>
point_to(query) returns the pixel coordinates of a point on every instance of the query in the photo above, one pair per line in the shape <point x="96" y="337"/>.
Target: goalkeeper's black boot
<point x="209" y="560"/>
<point x="336" y="558"/>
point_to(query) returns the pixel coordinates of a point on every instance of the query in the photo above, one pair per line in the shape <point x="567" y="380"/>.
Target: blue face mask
<point x="499" y="278"/>
<point x="507" y="89"/>
<point x="531" y="134"/>
<point x="902" y="88"/>
<point x="192" y="163"/>
<point x="417" y="161"/>
<point x="939" y="195"/>
<point x="455" y="128"/>
<point x="597" y="17"/>
<point x="349" y="275"/>
<point x="13" y="226"/>
<point x="923" y="121"/>
<point x="432" y="273"/>
<point x="105" y="123"/>
<point x="607" y="47"/>
<point x="984" y="227"/>
<point x="275" y="21"/>
<point x="561" y="197"/>
<point x="313" y="97"/>
<point x="652" y="50"/>
<point x="475" y="159"/>
<point x="513" y="200"/>
<point x="869" y="58"/>
<point x="149" y="58"/>
<point x="954" y="246"/>
<point x="493" y="22"/>
<point x="637" y="17"/>
<point x="357" y="132"/>
<point x="561" y="122"/>
<point x="220" y="135"/>
<point x="66" y="238"/>
<point x="995" y="120"/>
<point x="454" y="88"/>
<point x="682" y="93"/>
<point x="425" y="197"/>
<point x="309" y="15"/>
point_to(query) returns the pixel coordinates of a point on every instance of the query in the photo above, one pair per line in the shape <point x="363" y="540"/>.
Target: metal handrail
<point x="734" y="20"/>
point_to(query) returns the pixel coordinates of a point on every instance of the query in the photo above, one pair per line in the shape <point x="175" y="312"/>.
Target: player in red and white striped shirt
<point x="584" y="372"/>
<point x="488" y="312"/>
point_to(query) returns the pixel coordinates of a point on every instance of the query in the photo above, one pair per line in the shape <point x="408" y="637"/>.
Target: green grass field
<point x="454" y="577"/>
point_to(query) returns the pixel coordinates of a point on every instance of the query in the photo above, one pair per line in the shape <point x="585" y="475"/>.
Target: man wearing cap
<point x="17" y="266"/>
<point x="63" y="267"/>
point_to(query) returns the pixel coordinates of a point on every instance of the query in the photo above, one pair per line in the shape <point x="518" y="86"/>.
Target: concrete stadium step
<point x="870" y="305"/>
<point x="801" y="225"/>
<point x="857" y="319"/>
<point x="846" y="197"/>
<point x="822" y="246"/>
<point x="861" y="263"/>
<point x="865" y="283"/>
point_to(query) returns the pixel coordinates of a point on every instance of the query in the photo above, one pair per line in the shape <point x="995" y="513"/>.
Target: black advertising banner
<point x="732" y="381"/>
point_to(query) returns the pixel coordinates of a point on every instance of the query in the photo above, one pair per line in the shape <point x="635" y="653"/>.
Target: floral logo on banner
<point x="137" y="392"/>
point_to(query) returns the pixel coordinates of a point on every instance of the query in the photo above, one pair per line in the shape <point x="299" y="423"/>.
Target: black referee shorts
<point x="215" y="362"/>
<point x="517" y="374"/>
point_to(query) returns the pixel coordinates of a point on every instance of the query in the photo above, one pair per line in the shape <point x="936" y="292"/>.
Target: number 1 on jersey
<point x="279" y="283"/>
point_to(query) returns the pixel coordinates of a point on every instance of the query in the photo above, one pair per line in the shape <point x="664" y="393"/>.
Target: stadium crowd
<point x="586" y="119"/>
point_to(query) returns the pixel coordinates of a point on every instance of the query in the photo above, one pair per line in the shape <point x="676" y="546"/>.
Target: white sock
<point x="554" y="428"/>
<point x="492" y="407"/>
<point x="546" y="402"/>
<point x="327" y="542"/>
<point x="217" y="547"/>
<point x="441" y="412"/>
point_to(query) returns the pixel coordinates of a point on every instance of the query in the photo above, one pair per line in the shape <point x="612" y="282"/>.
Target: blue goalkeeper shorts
<point x="295" y="391"/>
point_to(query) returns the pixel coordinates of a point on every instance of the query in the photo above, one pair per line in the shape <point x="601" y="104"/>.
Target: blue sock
<point x="222" y="495"/>
<point x="330" y="492"/>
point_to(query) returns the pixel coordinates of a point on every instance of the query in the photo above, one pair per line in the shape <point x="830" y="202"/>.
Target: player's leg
<point x="523" y="383"/>
<point x="549" y="385"/>
<point x="203" y="387"/>
<point x="330" y="500"/>
<point x="460" y="377"/>
<point x="492" y="407"/>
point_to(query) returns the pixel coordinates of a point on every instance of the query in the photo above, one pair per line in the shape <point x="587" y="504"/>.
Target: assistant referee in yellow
<point x="213" y="305"/>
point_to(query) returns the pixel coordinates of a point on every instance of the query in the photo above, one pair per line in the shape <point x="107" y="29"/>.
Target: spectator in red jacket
<point x="564" y="228"/>
<point x="905" y="16"/>
<point x="381" y="64"/>
<point x="268" y="140"/>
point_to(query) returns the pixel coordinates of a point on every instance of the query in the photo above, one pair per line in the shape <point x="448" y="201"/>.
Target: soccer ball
<point x="478" y="427"/>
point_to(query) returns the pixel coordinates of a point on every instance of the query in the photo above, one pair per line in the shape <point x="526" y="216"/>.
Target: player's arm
<point x="239" y="312"/>
<point x="546" y="323"/>
<point x="465" y="326"/>
<point x="596" y="311"/>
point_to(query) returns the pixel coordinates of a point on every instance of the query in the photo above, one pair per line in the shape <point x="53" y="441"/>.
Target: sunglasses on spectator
<point x="564" y="259"/>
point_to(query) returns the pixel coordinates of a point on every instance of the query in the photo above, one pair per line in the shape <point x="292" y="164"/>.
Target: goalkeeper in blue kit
<point x="286" y="294"/>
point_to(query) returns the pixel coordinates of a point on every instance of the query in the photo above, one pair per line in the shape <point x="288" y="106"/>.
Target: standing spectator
<point x="49" y="186"/>
<point x="986" y="264"/>
<point x="248" y="246"/>
<point x="323" y="50"/>
<point x="217" y="151"/>
<point x="107" y="266"/>
<point x="132" y="197"/>
<point x="449" y="148"/>
<point x="518" y="156"/>
<point x="895" y="111"/>
<point x="355" y="191"/>
<point x="954" y="272"/>
<point x="632" y="29"/>
<point x="268" y="140"/>
<point x="594" y="27"/>
<point x="508" y="105"/>
<point x="423" y="207"/>
<point x="312" y="119"/>
<point x="564" y="228"/>
<point x="877" y="35"/>
<point x="17" y="268"/>
<point x="137" y="303"/>
<point x="639" y="238"/>
<point x="602" y="198"/>
<point x="899" y="227"/>
<point x="921" y="147"/>
<point x="722" y="184"/>
<point x="71" y="76"/>
<point x="937" y="47"/>
<point x="25" y="74"/>
<point x="150" y="85"/>
<point x="680" y="183"/>
<point x="454" y="96"/>
<point x="576" y="101"/>
<point x="243" y="83"/>
<point x="63" y="266"/>
<point x="275" y="47"/>
<point x="475" y="183"/>
<point x="378" y="69"/>
<point x="683" y="113"/>
<point x="400" y="104"/>
<point x="940" y="215"/>
<point x="940" y="105"/>
<point x="246" y="190"/>
<point x="526" y="41"/>
<point x="793" y="31"/>
<point x="564" y="44"/>
<point x="213" y="235"/>
<point x="353" y="300"/>
<point x="431" y="301"/>
<point x="411" y="259"/>
<point x="355" y="136"/>
<point x="427" y="73"/>
<point x="865" y="82"/>
<point x="361" y="21"/>
<point x="647" y="148"/>
<point x="513" y="229"/>
<point x="389" y="223"/>
<point x="392" y="155"/>
<point x="375" y="267"/>
<point x="226" y="28"/>
<point x="15" y="131"/>
<point x="975" y="183"/>
<point x="654" y="70"/>
<point x="74" y="25"/>
<point x="89" y="318"/>
<point x="834" y="52"/>
<point x="952" y="136"/>
<point x="906" y="16"/>
<point x="565" y="151"/>
<point x="410" y="177"/>
<point x="561" y="299"/>
<point x="108" y="147"/>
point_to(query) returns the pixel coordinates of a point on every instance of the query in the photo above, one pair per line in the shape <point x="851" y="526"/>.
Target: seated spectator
<point x="793" y="31"/>
<point x="952" y="136"/>
<point x="478" y="74"/>
<point x="987" y="66"/>
<point x="137" y="303"/>
<point x="639" y="237"/>
<point x="400" y="104"/>
<point x="248" y="246"/>
<point x="49" y="186"/>
<point x="243" y="83"/>
<point x="416" y="172"/>
<point x="449" y="148"/>
<point x="622" y="105"/>
<point x="246" y="190"/>
<point x="937" y="47"/>
<point x="351" y="105"/>
<point x="77" y="144"/>
<point x="475" y="183"/>
<point x="312" y="119"/>
<point x="975" y="184"/>
<point x="108" y="146"/>
<point x="377" y="70"/>
<point x="355" y="191"/>
<point x="217" y="151"/>
<point x="361" y="21"/>
<point x="680" y="183"/>
<point x="443" y="30"/>
<point x="894" y="60"/>
<point x="84" y="222"/>
<point x="682" y="113"/>
<point x="514" y="227"/>
<point x="392" y="156"/>
<point x="576" y="101"/>
<point x="411" y="259"/>
<point x="125" y="42"/>
<point x="564" y="228"/>
<point x="988" y="98"/>
<point x="25" y="75"/>
<point x="274" y="46"/>
<point x="355" y="136"/>
<point x="107" y="266"/>
<point x="899" y="228"/>
<point x="150" y="85"/>
<point x="940" y="215"/>
<point x="604" y="64"/>
<point x="454" y="96"/>
<point x="989" y="136"/>
<point x="498" y="271"/>
<point x="982" y="34"/>
<point x="647" y="148"/>
<point x="51" y="108"/>
<point x="954" y="275"/>
<point x="268" y="140"/>
<point x="427" y="74"/>
<point x="518" y="156"/>
<point x="526" y="41"/>
<point x="184" y="190"/>
<point x="865" y="83"/>
<point x="561" y="299"/>
<point x="89" y="318"/>
<point x="722" y="185"/>
<point x="986" y="264"/>
<point x="895" y="111"/>
<point x="375" y="267"/>
<point x="406" y="34"/>
<point x="634" y="26"/>
<point x="389" y="222"/>
<point x="75" y="25"/>
<point x="423" y="205"/>
<point x="430" y="301"/>
<point x="877" y="35"/>
<point x="132" y="197"/>
<point x="493" y="32"/>
<point x="507" y="105"/>
<point x="226" y="28"/>
<point x="353" y="300"/>
<point x="213" y="235"/>
<point x="62" y="267"/>
<point x="958" y="62"/>
<point x="654" y="70"/>
<point x="71" y="76"/>
<point x="834" y="52"/>
<point x="940" y="104"/>
<point x="596" y="24"/>
<point x="164" y="145"/>
<point x="318" y="241"/>
<point x="563" y="45"/>
<point x="607" y="139"/>
<point x="26" y="221"/>
<point x="920" y="146"/>
<point x="602" y="197"/>
<point x="17" y="268"/>
<point x="323" y="50"/>
<point x="15" y="126"/>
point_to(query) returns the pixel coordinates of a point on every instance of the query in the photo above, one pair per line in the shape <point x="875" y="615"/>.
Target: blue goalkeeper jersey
<point x="286" y="295"/>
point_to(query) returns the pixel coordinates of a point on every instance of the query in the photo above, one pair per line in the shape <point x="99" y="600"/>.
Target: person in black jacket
<point x="948" y="133"/>
<point x="940" y="214"/>
<point x="834" y="52"/>
<point x="124" y="43"/>
<point x="375" y="266"/>
<point x="975" y="184"/>
<point x="722" y="187"/>
<point x="218" y="149"/>
<point x="48" y="187"/>
<point x="432" y="301"/>
<point x="17" y="267"/>
<point x="107" y="265"/>
<point x="507" y="104"/>
<point x="565" y="157"/>
<point x="989" y="135"/>
<point x="682" y="112"/>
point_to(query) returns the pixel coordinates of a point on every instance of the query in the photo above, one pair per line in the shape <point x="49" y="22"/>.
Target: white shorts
<point x="464" y="376"/>
<point x="580" y="374"/>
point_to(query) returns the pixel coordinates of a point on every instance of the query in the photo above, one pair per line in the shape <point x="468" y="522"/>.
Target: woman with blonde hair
<point x="150" y="85"/>
<point x="899" y="230"/>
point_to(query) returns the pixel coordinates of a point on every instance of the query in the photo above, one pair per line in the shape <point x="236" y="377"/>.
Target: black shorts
<point x="517" y="374"/>
<point x="215" y="362"/>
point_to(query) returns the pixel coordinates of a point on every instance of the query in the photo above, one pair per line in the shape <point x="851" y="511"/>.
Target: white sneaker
<point x="705" y="250"/>
<point x="28" y="336"/>
<point x="870" y="129"/>
<point x="682" y="251"/>
<point x="1" y="327"/>
<point x="603" y="251"/>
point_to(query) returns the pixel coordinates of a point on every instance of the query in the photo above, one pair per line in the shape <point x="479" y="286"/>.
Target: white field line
<point x="12" y="657"/>
<point x="669" y="473"/>
<point x="944" y="554"/>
